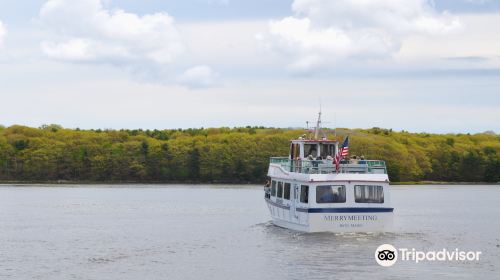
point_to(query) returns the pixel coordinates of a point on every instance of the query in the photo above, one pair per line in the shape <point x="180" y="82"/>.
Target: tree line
<point x="232" y="155"/>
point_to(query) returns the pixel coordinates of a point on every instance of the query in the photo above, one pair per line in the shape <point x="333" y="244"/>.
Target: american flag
<point x="342" y="152"/>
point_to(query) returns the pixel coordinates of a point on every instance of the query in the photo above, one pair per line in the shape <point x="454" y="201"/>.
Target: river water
<point x="223" y="232"/>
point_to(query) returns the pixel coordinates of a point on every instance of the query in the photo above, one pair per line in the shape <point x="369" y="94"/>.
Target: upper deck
<point x="306" y="166"/>
<point x="314" y="155"/>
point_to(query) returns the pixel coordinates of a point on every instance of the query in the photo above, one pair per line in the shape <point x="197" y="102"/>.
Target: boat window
<point x="368" y="194"/>
<point x="286" y="192"/>
<point x="304" y="194"/>
<point x="280" y="189"/>
<point x="310" y="149"/>
<point x="330" y="194"/>
<point x="327" y="150"/>
<point x="273" y="188"/>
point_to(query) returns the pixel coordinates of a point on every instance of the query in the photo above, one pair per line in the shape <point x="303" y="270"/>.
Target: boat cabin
<point x="312" y="149"/>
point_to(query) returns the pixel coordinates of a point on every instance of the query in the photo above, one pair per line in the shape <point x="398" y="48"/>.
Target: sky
<point x="415" y="65"/>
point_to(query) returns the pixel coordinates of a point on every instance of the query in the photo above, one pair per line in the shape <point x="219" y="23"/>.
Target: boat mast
<point x="318" y="126"/>
<point x="335" y="124"/>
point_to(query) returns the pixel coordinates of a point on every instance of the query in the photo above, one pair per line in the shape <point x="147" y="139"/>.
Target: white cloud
<point x="85" y="31"/>
<point x="73" y="49"/>
<point x="199" y="76"/>
<point x="3" y="33"/>
<point x="476" y="40"/>
<point x="322" y="32"/>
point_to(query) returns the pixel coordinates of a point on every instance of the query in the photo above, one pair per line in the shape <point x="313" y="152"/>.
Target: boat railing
<point x="327" y="166"/>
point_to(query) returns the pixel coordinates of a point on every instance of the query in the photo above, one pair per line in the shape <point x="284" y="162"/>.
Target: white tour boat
<point x="317" y="188"/>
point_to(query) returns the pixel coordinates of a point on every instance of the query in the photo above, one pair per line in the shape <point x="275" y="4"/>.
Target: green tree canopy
<point x="240" y="154"/>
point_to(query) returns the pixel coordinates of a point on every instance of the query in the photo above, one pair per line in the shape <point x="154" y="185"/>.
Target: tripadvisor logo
<point x="387" y="255"/>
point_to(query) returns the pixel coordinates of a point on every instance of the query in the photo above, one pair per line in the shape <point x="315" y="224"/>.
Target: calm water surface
<point x="223" y="232"/>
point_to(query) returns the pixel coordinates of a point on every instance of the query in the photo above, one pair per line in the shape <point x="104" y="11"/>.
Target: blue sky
<point x="416" y="65"/>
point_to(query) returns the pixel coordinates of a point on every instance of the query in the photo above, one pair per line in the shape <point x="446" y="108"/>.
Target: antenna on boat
<point x="318" y="125"/>
<point x="335" y="125"/>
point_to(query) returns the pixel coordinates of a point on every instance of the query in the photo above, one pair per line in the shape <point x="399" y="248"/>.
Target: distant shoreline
<point x="64" y="182"/>
<point x="443" y="183"/>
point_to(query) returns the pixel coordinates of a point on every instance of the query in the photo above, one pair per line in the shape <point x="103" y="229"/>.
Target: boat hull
<point x="332" y="219"/>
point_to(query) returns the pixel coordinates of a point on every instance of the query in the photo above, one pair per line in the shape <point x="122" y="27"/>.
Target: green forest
<point x="229" y="155"/>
